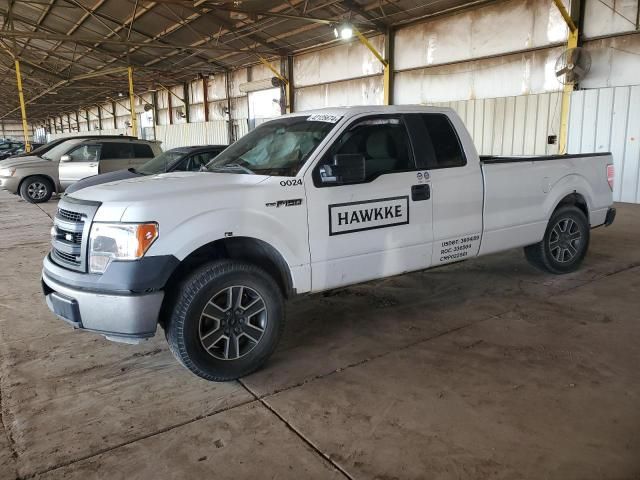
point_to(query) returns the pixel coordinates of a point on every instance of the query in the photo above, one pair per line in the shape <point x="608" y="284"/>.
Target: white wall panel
<point x="188" y="134"/>
<point x="474" y="33"/>
<point x="608" y="119"/>
<point x="259" y="72"/>
<point x="196" y="92"/>
<point x="511" y="75"/>
<point x="13" y="130"/>
<point x="163" y="99"/>
<point x="238" y="77"/>
<point x="216" y="87"/>
<point x="511" y="125"/>
<point x="196" y="113"/>
<point x="615" y="62"/>
<point x="363" y="91"/>
<point x="345" y="61"/>
<point x="604" y="17"/>
<point x="217" y="110"/>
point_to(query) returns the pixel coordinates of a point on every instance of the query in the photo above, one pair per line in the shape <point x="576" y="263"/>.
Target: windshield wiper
<point x="233" y="166"/>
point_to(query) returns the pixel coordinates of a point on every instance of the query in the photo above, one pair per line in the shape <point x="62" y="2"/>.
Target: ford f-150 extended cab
<point x="305" y="203"/>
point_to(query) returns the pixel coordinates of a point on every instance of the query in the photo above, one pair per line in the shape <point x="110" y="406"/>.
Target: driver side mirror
<point x="65" y="158"/>
<point x="346" y="168"/>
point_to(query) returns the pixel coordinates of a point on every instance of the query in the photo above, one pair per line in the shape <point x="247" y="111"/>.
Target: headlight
<point x="119" y="241"/>
<point x="7" y="172"/>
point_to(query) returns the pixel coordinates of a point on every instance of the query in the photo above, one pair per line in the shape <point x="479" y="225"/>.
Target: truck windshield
<point x="279" y="147"/>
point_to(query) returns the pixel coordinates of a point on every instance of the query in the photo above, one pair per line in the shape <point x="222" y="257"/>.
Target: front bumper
<point x="120" y="317"/>
<point x="10" y="184"/>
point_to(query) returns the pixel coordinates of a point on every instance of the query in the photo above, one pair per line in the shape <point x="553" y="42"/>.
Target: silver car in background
<point x="36" y="178"/>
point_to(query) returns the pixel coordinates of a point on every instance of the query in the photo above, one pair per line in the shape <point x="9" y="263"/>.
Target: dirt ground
<point x="483" y="369"/>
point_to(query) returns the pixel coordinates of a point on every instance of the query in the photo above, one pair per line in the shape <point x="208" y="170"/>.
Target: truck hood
<point x="166" y="185"/>
<point x="30" y="161"/>
<point x="100" y="179"/>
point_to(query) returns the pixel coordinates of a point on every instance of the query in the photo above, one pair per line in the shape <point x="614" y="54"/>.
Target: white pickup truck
<point x="305" y="203"/>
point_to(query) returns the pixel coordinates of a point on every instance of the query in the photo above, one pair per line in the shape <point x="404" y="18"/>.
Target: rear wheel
<point x="565" y="242"/>
<point x="227" y="320"/>
<point x="36" y="189"/>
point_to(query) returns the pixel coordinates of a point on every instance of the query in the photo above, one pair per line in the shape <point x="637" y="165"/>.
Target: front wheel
<point x="565" y="242"/>
<point x="36" y="189"/>
<point x="227" y="320"/>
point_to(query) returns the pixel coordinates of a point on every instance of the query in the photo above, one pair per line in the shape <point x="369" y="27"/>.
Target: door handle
<point x="420" y="192"/>
<point x="93" y="164"/>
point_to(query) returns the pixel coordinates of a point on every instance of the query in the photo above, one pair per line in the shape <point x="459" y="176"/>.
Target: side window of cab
<point x="377" y="146"/>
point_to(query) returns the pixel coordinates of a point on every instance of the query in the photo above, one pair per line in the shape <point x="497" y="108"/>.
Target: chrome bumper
<point x="125" y="318"/>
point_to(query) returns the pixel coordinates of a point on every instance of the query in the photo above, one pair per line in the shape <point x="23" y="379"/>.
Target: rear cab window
<point x="436" y="141"/>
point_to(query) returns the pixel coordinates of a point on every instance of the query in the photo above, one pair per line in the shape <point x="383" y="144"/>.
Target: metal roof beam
<point x="82" y="39"/>
<point x="290" y="16"/>
<point x="359" y="10"/>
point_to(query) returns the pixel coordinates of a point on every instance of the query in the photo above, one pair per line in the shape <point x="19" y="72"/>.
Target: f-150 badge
<point x="367" y="215"/>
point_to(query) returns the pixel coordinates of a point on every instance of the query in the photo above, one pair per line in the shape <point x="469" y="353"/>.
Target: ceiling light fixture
<point x="343" y="31"/>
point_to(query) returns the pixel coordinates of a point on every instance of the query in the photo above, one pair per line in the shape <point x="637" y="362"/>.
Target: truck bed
<point x="521" y="193"/>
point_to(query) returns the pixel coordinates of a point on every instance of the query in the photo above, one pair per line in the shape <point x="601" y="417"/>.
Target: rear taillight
<point x="610" y="175"/>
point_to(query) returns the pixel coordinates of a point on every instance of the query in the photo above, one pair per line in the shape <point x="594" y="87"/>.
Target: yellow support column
<point x="386" y="84"/>
<point x="572" y="42"/>
<point x="285" y="81"/>
<point x="386" y="79"/>
<point x="132" y="104"/>
<point x="23" y="109"/>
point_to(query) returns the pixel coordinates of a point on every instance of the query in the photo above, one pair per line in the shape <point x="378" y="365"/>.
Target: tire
<point x="565" y="242"/>
<point x="202" y="329"/>
<point x="36" y="189"/>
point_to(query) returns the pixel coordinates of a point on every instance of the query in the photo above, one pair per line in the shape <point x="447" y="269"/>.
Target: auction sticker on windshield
<point x="323" y="117"/>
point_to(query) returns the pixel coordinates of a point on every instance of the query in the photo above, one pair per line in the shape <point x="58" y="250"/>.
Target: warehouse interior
<point x="486" y="369"/>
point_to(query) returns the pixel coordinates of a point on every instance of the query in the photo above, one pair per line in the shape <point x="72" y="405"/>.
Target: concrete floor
<point x="484" y="369"/>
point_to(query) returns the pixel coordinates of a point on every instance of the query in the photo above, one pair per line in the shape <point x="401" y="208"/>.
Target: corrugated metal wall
<point x="511" y="125"/>
<point x="200" y="133"/>
<point x="13" y="130"/>
<point x="608" y="120"/>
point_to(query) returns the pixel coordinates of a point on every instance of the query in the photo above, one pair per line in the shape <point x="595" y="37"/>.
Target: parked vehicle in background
<point x="9" y="147"/>
<point x="306" y="203"/>
<point x="182" y="159"/>
<point x="36" y="178"/>
<point x="40" y="149"/>
<point x="21" y="150"/>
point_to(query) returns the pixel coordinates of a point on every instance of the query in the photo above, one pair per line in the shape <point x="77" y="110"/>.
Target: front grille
<point x="70" y="234"/>
<point x="68" y="215"/>
<point x="66" y="257"/>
